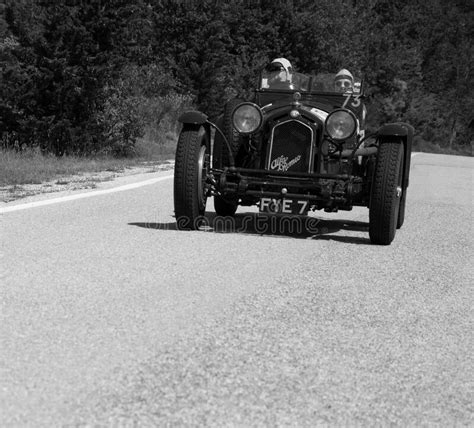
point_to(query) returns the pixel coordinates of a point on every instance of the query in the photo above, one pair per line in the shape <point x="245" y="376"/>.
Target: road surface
<point x="112" y="317"/>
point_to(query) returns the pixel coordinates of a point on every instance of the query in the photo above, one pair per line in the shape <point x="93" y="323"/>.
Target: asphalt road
<point x="111" y="317"/>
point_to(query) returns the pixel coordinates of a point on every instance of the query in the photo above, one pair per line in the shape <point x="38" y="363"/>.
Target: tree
<point x="85" y="77"/>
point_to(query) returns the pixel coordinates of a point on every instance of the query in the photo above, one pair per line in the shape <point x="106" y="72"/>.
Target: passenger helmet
<point x="344" y="74"/>
<point x="283" y="62"/>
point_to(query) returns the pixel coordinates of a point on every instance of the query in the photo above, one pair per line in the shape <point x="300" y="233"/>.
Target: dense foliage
<point x="93" y="75"/>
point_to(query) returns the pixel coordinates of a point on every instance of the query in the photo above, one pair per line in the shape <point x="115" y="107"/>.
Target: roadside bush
<point x="142" y="103"/>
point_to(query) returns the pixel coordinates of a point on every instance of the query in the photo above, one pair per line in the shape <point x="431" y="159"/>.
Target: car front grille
<point x="290" y="147"/>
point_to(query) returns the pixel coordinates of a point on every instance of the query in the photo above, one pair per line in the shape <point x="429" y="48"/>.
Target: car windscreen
<point x="327" y="82"/>
<point x="285" y="80"/>
<point x="322" y="82"/>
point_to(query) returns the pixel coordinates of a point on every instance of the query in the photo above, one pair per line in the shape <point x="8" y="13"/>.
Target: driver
<point x="344" y="81"/>
<point x="283" y="71"/>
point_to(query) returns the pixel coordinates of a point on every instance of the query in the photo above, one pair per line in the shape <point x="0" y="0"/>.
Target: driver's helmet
<point x="285" y="68"/>
<point x="344" y="81"/>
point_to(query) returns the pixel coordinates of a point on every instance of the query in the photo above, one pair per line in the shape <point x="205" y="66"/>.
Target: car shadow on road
<point x="295" y="227"/>
<point x="157" y="226"/>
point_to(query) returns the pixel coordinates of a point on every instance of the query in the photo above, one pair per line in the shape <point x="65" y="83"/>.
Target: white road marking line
<point x="83" y="195"/>
<point x="94" y="193"/>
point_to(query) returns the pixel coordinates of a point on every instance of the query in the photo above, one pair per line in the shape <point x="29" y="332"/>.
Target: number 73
<point x="355" y="103"/>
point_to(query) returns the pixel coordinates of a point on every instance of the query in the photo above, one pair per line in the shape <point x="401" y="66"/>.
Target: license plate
<point x="283" y="206"/>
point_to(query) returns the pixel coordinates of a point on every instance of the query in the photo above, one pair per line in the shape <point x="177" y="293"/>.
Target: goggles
<point x="276" y="67"/>
<point x="343" y="83"/>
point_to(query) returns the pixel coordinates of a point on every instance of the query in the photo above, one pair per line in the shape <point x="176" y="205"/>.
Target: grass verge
<point x="421" y="145"/>
<point x="31" y="167"/>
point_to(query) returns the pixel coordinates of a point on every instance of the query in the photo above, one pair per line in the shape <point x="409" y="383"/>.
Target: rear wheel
<point x="386" y="193"/>
<point x="226" y="207"/>
<point x="190" y="177"/>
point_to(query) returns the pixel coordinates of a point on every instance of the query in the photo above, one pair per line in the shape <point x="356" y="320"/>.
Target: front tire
<point x="386" y="193"/>
<point x="190" y="177"/>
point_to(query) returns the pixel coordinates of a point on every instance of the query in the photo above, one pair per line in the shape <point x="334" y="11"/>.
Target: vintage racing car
<point x="299" y="145"/>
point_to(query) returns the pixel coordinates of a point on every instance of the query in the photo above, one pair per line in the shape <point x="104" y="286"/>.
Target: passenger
<point x="344" y="81"/>
<point x="282" y="71"/>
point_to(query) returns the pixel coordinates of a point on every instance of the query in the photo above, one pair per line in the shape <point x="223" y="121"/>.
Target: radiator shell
<point x="291" y="147"/>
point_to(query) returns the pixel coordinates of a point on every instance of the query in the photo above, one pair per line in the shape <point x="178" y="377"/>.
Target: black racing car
<point x="300" y="145"/>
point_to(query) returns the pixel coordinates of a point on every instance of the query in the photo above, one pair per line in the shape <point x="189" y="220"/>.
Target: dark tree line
<point x="94" y="75"/>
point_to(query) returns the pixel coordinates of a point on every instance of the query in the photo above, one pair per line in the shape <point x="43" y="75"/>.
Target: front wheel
<point x="190" y="177"/>
<point x="386" y="193"/>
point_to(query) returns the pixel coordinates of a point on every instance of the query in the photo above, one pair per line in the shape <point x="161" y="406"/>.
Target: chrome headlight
<point x="341" y="124"/>
<point x="247" y="118"/>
